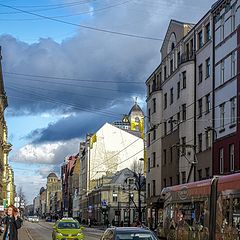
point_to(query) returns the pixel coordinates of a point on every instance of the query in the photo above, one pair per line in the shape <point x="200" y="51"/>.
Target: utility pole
<point x="129" y="203"/>
<point x="139" y="198"/>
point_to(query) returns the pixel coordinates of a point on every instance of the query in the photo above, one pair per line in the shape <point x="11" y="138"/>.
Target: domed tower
<point x="136" y="118"/>
<point x="53" y="186"/>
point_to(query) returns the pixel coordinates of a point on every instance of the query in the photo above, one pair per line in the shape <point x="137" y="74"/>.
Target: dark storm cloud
<point x="91" y="55"/>
<point x="75" y="126"/>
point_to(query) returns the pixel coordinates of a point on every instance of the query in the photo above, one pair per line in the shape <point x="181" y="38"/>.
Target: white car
<point x="35" y="219"/>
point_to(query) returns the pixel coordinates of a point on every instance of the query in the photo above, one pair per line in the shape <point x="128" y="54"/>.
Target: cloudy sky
<point x="70" y="66"/>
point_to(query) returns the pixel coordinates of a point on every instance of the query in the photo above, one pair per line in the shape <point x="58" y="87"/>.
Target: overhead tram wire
<point x="72" y="79"/>
<point x="85" y="26"/>
<point x="64" y="92"/>
<point x="55" y="5"/>
<point x="75" y="85"/>
<point x="78" y="107"/>
<point x="70" y="15"/>
<point x="43" y="10"/>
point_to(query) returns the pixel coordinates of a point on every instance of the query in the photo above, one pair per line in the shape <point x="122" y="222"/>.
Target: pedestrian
<point x="12" y="222"/>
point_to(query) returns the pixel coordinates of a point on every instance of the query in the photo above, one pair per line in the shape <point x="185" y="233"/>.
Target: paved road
<point x="43" y="231"/>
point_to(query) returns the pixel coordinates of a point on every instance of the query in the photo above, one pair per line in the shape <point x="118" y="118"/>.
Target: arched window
<point x="171" y="42"/>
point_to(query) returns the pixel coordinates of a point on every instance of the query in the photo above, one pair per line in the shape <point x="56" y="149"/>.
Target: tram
<point x="203" y="210"/>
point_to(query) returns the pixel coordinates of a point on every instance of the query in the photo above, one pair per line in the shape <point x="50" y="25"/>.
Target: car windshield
<point x="68" y="225"/>
<point x="135" y="236"/>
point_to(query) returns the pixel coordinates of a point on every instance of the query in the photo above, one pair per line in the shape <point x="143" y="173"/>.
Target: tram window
<point x="228" y="216"/>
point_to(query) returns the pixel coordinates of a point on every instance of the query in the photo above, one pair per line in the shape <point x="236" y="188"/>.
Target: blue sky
<point x="47" y="117"/>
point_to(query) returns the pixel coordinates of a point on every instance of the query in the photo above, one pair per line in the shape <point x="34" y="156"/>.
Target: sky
<point x="70" y="66"/>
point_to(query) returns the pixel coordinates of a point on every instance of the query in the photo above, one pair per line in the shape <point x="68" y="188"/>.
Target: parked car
<point x="67" y="228"/>
<point x="48" y="219"/>
<point x="29" y="218"/>
<point x="129" y="233"/>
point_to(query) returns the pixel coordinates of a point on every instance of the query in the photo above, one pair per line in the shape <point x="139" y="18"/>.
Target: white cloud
<point x="47" y="153"/>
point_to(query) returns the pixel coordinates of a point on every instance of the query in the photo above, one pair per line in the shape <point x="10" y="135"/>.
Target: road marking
<point x="28" y="233"/>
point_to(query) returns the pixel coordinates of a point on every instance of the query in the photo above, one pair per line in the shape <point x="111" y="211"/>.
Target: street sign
<point x="1" y="208"/>
<point x="17" y="199"/>
<point x="104" y="203"/>
<point x="16" y="204"/>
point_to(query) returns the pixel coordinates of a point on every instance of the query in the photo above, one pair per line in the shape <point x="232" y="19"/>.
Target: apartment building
<point x="226" y="86"/>
<point x="179" y="105"/>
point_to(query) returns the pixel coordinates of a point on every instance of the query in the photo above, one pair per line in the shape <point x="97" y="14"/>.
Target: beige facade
<point x="179" y="111"/>
<point x="7" y="187"/>
<point x="53" y="193"/>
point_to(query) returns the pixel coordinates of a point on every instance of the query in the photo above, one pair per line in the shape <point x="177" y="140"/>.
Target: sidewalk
<point x="22" y="234"/>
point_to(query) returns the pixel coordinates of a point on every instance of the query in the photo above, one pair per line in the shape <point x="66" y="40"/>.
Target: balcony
<point x="185" y="57"/>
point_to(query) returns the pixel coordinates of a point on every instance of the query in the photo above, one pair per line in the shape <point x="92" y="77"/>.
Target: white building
<point x="226" y="86"/>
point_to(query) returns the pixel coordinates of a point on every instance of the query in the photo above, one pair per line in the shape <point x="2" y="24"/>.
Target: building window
<point x="183" y="146"/>
<point x="178" y="116"/>
<point x="164" y="182"/>
<point x="165" y="128"/>
<point x="208" y="103"/>
<point x="149" y="114"/>
<point x="200" y="39"/>
<point x="234" y="64"/>
<point x="221" y="160"/>
<point x="154" y="105"/>
<point x="171" y="95"/>
<point x="200" y="142"/>
<point x="184" y="79"/>
<point x="171" y="66"/>
<point x="149" y="89"/>
<point x="222" y="115"/>
<point x="184" y="112"/>
<point x="178" y="58"/>
<point x="170" y="180"/>
<point x="154" y="84"/>
<point x="208" y="32"/>
<point x="171" y="154"/>
<point x="233" y="110"/>
<point x="200" y="74"/>
<point x="178" y="89"/>
<point x="153" y="159"/>
<point x="165" y="72"/>
<point x="149" y="164"/>
<point x="178" y="178"/>
<point x="232" y="157"/>
<point x="222" y="30"/>
<point x="171" y="124"/>
<point x="149" y="139"/>
<point x="164" y="157"/>
<point x="222" y="71"/>
<point x="208" y="139"/>
<point x="149" y="190"/>
<point x="233" y="24"/>
<point x="207" y="172"/>
<point x="154" y="188"/>
<point x="165" y="100"/>
<point x="115" y="197"/>
<point x="200" y="174"/>
<point x="200" y="108"/>
<point x="184" y="177"/>
<point x="208" y="68"/>
<point x="154" y="134"/>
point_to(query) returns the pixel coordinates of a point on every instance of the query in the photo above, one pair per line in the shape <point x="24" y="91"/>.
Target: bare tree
<point x="137" y="166"/>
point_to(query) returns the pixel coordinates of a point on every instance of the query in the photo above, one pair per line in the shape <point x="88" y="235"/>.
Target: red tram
<point x="203" y="210"/>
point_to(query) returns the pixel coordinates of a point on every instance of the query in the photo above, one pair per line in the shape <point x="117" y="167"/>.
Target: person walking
<point x="12" y="222"/>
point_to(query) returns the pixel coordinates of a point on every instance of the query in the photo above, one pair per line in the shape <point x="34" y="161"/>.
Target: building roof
<point x="136" y="109"/>
<point x="52" y="175"/>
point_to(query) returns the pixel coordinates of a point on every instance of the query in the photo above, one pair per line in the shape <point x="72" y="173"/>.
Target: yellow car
<point x="67" y="229"/>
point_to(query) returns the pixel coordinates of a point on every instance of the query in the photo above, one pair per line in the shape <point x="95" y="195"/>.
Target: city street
<point x="43" y="231"/>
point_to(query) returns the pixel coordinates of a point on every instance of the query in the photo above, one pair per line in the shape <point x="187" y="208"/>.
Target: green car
<point x="67" y="229"/>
